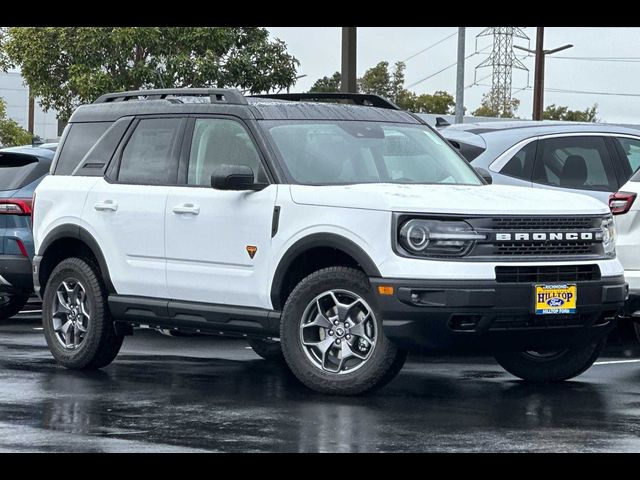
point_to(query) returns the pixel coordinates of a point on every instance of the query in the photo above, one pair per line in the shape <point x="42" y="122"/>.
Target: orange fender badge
<point x="251" y="250"/>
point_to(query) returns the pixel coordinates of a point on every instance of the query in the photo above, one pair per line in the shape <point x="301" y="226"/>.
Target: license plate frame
<point x="555" y="298"/>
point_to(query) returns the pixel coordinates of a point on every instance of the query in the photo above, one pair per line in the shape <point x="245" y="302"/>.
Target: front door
<point x="218" y="241"/>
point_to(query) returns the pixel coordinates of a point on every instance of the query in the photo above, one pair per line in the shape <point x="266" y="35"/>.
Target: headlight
<point x="437" y="238"/>
<point x="609" y="236"/>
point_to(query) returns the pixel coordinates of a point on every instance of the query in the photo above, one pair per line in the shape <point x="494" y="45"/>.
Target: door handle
<point x="106" y="205"/>
<point x="186" y="208"/>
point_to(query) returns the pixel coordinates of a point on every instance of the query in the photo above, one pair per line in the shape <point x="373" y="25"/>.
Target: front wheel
<point x="331" y="334"/>
<point x="77" y="325"/>
<point x="551" y="366"/>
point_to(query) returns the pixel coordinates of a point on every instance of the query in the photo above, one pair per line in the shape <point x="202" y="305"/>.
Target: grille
<point x="569" y="248"/>
<point x="543" y="223"/>
<point x="561" y="273"/>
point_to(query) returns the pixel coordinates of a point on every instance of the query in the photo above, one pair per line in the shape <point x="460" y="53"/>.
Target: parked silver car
<point x="588" y="158"/>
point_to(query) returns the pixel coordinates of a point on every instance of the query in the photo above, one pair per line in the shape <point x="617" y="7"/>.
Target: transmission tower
<point x="502" y="61"/>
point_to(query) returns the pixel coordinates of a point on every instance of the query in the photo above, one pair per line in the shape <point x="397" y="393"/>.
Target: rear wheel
<point x="77" y="325"/>
<point x="11" y="304"/>
<point x="266" y="348"/>
<point x="332" y="337"/>
<point x="551" y="366"/>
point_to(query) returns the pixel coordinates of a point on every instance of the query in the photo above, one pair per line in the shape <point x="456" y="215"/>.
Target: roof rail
<point x="216" y="95"/>
<point x="357" y="98"/>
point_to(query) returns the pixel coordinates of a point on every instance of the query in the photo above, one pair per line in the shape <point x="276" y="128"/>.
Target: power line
<point x="585" y="92"/>
<point x="445" y="68"/>
<point x="602" y="59"/>
<point x="430" y="46"/>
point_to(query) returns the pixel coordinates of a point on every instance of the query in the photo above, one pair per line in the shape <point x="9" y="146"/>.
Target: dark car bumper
<point x="15" y="271"/>
<point x="480" y="315"/>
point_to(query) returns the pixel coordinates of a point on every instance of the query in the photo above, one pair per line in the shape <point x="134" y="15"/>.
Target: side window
<point x="521" y="164"/>
<point x="98" y="156"/>
<point x="151" y="154"/>
<point x="218" y="141"/>
<point x="80" y="138"/>
<point x="582" y="163"/>
<point x="631" y="149"/>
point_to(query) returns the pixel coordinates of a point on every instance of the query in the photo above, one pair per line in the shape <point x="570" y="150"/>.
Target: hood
<point x="453" y="199"/>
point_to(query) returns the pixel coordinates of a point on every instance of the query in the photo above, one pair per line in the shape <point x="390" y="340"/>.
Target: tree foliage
<point x="327" y="84"/>
<point x="67" y="66"/>
<point x="553" y="112"/>
<point x="491" y="107"/>
<point x="11" y="133"/>
<point x="389" y="83"/>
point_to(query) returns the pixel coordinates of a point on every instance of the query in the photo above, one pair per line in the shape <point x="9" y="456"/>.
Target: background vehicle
<point x="351" y="233"/>
<point x="625" y="207"/>
<point x="21" y="170"/>
<point x="587" y="158"/>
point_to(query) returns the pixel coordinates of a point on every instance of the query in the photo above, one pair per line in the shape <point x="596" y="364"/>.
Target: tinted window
<point x="18" y="170"/>
<point x="631" y="149"/>
<point x="216" y="142"/>
<point x="575" y="162"/>
<point x="521" y="164"/>
<point x="99" y="155"/>
<point x="342" y="152"/>
<point x="79" y="140"/>
<point x="151" y="157"/>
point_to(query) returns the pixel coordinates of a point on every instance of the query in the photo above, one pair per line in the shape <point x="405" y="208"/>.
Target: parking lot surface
<point x="211" y="394"/>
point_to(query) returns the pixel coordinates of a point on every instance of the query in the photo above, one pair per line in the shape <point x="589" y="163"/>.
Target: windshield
<point x="330" y="152"/>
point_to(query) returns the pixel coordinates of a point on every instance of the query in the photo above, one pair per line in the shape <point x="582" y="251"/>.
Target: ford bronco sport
<point x="340" y="232"/>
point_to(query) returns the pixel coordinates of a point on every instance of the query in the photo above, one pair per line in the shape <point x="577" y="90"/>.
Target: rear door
<point x="576" y="163"/>
<point x="125" y="209"/>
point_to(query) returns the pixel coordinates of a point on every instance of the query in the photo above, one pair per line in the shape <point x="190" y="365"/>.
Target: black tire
<point x="101" y="344"/>
<point x="11" y="304"/>
<point x="385" y="360"/>
<point x="555" y="368"/>
<point x="267" y="349"/>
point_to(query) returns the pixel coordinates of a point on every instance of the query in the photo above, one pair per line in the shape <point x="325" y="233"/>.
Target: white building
<point x="16" y="95"/>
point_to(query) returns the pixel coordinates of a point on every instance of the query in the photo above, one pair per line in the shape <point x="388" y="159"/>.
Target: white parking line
<point x="30" y="311"/>
<point x="612" y="362"/>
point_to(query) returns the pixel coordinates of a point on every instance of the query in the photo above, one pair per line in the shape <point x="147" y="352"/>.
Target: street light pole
<point x="460" y="77"/>
<point x="349" y="51"/>
<point x="538" y="82"/>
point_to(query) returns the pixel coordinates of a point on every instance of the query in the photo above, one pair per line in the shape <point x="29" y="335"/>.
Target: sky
<point x="605" y="61"/>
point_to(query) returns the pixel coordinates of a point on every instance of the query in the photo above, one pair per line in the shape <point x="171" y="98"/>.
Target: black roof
<point x="111" y="107"/>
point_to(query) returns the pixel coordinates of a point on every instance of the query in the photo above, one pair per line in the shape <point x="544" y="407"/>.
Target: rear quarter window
<point x="79" y="139"/>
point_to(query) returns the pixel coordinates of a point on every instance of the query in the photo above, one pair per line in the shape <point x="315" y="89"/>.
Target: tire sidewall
<point x="292" y="347"/>
<point x="85" y="273"/>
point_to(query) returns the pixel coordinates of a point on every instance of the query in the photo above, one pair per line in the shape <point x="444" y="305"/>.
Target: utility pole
<point x="349" y="52"/>
<point x="538" y="82"/>
<point x="460" y="77"/>
<point x="31" y="113"/>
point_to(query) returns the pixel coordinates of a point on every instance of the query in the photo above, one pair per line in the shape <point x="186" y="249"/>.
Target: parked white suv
<point x="339" y="235"/>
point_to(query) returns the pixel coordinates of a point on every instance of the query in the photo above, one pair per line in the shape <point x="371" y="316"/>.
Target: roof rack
<point x="229" y="96"/>
<point x="357" y="98"/>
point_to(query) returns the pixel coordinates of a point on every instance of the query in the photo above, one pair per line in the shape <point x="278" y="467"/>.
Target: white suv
<point x="339" y="235"/>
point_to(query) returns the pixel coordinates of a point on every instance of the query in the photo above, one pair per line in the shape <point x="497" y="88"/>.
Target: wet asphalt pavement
<point x="209" y="394"/>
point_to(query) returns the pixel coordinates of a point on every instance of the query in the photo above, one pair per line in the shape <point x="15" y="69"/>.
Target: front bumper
<point x="15" y="273"/>
<point x="484" y="315"/>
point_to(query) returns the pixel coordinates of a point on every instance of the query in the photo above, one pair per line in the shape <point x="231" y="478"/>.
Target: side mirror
<point x="234" y="177"/>
<point x="485" y="175"/>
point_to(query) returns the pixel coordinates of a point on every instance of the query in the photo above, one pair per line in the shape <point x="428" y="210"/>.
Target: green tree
<point x="490" y="107"/>
<point x="389" y="83"/>
<point x="67" y="66"/>
<point x="553" y="112"/>
<point x="379" y="80"/>
<point x="4" y="61"/>
<point x="11" y="133"/>
<point x="440" y="102"/>
<point x="327" y="84"/>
